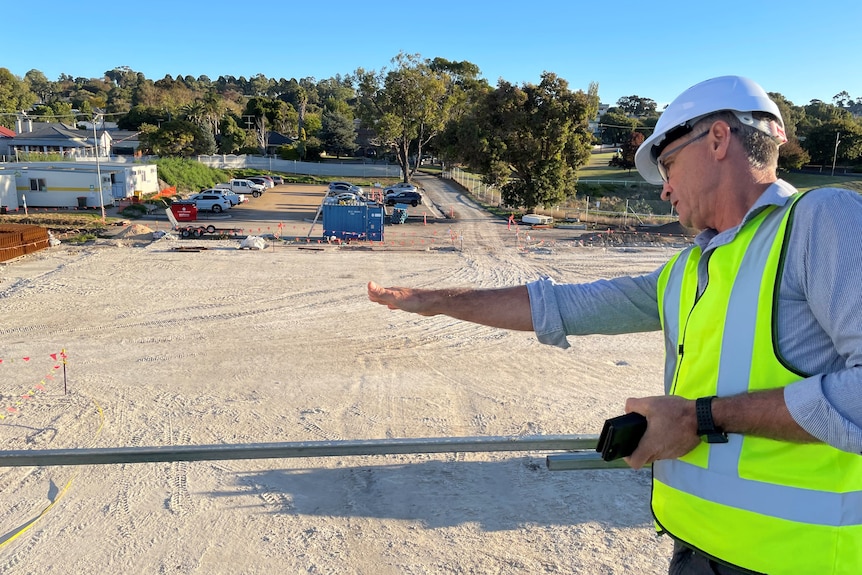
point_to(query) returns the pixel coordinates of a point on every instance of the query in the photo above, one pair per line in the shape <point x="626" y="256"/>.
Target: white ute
<point x="241" y="186"/>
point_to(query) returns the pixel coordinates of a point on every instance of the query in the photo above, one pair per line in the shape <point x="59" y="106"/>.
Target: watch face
<point x="718" y="437"/>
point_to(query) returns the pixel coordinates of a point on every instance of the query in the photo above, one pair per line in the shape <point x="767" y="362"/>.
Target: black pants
<point x="686" y="561"/>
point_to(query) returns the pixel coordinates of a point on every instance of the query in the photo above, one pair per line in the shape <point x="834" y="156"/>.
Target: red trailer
<point x="192" y="230"/>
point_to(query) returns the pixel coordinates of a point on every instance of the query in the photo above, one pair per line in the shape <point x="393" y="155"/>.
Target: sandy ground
<point x="239" y="346"/>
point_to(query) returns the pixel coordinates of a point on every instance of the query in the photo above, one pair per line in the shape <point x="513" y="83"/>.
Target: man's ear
<point x="720" y="138"/>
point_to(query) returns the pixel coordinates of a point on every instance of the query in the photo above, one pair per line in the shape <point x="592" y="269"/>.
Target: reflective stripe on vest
<point x="753" y="502"/>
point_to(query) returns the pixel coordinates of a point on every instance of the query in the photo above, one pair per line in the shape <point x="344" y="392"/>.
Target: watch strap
<point x="706" y="427"/>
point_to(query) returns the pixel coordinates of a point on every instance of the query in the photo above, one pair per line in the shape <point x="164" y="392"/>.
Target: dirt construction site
<point x="132" y="341"/>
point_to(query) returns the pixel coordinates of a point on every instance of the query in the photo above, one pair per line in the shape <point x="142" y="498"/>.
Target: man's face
<point x="683" y="180"/>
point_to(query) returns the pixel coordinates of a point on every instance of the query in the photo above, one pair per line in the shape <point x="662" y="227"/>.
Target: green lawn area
<point x="804" y="182"/>
<point x="598" y="169"/>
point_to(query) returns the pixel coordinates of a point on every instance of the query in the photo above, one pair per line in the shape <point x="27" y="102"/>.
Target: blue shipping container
<point x="353" y="222"/>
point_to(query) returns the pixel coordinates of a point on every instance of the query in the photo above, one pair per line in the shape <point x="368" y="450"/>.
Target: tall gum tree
<point x="530" y="140"/>
<point x="406" y="106"/>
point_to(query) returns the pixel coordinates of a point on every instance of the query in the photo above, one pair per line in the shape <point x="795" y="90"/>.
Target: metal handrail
<point x="583" y="445"/>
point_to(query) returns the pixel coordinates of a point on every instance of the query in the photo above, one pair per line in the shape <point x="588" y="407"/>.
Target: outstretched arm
<point x="506" y="308"/>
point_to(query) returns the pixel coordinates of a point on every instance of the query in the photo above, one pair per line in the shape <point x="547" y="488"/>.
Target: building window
<point x="38" y="185"/>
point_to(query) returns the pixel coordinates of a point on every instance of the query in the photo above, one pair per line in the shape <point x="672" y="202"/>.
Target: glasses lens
<point x="661" y="170"/>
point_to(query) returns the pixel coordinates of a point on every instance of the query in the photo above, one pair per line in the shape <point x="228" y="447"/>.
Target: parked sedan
<point x="277" y="180"/>
<point x="404" y="197"/>
<point x="399" y="187"/>
<point x="214" y="202"/>
<point x="340" y="187"/>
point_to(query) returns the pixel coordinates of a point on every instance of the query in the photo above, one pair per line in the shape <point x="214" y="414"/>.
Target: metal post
<point x="582" y="460"/>
<point x="98" y="168"/>
<point x="835" y="155"/>
<point x="171" y="453"/>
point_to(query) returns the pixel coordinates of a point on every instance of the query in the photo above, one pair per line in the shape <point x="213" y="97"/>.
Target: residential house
<point x="6" y="136"/>
<point x="57" y="138"/>
<point x="274" y="141"/>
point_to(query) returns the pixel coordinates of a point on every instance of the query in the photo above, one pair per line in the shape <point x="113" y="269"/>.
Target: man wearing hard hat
<point x="756" y="445"/>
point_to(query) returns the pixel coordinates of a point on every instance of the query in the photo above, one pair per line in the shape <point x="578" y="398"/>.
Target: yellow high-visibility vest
<point x="764" y="505"/>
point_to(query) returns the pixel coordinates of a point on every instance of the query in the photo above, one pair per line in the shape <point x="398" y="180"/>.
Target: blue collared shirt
<point x="819" y="309"/>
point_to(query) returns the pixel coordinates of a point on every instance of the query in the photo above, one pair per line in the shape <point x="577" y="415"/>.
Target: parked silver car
<point x="400" y="187"/>
<point x="336" y="188"/>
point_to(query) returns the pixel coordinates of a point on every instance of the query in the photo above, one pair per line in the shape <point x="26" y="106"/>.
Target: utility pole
<point x="98" y="168"/>
<point x="835" y="154"/>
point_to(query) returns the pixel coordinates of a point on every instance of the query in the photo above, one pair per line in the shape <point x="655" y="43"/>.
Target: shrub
<point x="134" y="211"/>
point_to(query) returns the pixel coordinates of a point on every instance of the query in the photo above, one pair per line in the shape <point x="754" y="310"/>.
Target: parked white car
<point x="241" y="186"/>
<point x="211" y="201"/>
<point x="234" y="198"/>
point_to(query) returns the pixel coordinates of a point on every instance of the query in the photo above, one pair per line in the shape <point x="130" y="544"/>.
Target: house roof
<point x="276" y="139"/>
<point x="6" y="132"/>
<point x="54" y="135"/>
<point x="54" y="131"/>
<point x="124" y="135"/>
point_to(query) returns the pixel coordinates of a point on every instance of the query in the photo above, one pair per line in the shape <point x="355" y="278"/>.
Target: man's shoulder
<point x="816" y="198"/>
<point x="829" y="212"/>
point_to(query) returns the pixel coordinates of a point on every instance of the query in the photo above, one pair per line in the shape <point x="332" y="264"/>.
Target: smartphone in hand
<point x="620" y="435"/>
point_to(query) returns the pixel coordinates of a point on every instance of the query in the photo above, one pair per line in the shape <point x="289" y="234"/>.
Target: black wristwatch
<point x="706" y="427"/>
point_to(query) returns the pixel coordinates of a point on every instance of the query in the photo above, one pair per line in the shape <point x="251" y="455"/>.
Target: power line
<point x="64" y="115"/>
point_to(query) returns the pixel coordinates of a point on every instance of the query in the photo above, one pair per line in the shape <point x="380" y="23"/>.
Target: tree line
<point x="818" y="133"/>
<point x="528" y="140"/>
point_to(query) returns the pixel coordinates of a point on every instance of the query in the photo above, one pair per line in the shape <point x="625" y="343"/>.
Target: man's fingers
<point x="375" y="292"/>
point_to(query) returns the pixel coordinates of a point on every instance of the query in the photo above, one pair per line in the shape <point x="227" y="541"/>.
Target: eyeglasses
<point x="662" y="169"/>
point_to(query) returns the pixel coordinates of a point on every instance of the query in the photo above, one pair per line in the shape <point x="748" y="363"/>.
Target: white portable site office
<point x="76" y="184"/>
<point x="8" y="194"/>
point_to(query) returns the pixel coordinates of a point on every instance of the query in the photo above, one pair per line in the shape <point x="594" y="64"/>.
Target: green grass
<point x="598" y="169"/>
<point x="188" y="175"/>
<point x="618" y="189"/>
<point x="805" y="182"/>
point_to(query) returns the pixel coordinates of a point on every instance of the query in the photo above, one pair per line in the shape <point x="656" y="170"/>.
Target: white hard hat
<point x="733" y="93"/>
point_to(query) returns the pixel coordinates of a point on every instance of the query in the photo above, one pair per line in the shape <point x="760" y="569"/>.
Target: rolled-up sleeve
<point x="814" y="404"/>
<point x="621" y="305"/>
<point x="547" y="319"/>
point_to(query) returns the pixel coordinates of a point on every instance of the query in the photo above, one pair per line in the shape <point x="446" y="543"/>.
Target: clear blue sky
<point x="654" y="50"/>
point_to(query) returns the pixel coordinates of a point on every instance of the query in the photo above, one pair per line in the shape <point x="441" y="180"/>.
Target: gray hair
<point x="761" y="149"/>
